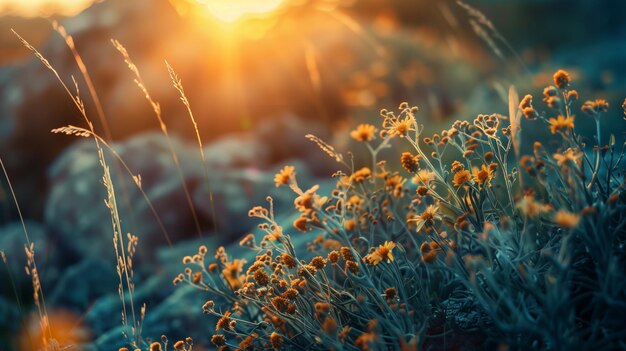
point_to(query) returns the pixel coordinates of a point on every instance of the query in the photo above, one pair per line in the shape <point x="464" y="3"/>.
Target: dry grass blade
<point x="69" y="41"/>
<point x="328" y="149"/>
<point x="123" y="265"/>
<point x="183" y="97"/>
<point x="82" y="132"/>
<point x="484" y="28"/>
<point x="157" y="111"/>
<point x="111" y="200"/>
<point x="514" y="117"/>
<point x="31" y="269"/>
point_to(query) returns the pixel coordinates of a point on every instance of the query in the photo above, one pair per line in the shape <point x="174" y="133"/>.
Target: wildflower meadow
<point x="312" y="175"/>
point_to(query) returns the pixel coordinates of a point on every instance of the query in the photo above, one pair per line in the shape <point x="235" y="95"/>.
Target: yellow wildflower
<point x="364" y="132"/>
<point x="483" y="176"/>
<point x="428" y="217"/>
<point x="410" y="162"/>
<point x="284" y="176"/>
<point x="566" y="219"/>
<point x="424" y="176"/>
<point x="361" y="175"/>
<point x="561" y="123"/>
<point x="561" y="79"/>
<point x="383" y="252"/>
<point x="461" y="177"/>
<point x="592" y="108"/>
<point x="570" y="155"/>
<point x="231" y="273"/>
<point x="530" y="207"/>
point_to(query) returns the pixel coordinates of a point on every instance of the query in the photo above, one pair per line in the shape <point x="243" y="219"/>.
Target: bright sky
<point x="232" y="10"/>
<point x="225" y="10"/>
<point x="43" y="7"/>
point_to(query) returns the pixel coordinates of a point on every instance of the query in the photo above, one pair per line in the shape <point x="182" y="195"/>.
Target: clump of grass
<point x="531" y="246"/>
<point x="157" y="112"/>
<point x="48" y="342"/>
<point x="124" y="250"/>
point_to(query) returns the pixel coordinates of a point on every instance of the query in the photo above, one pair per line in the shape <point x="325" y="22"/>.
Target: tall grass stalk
<point x="157" y="111"/>
<point x="178" y="84"/>
<point x="39" y="299"/>
<point x="82" y="132"/>
<point x="122" y="262"/>
<point x="69" y="42"/>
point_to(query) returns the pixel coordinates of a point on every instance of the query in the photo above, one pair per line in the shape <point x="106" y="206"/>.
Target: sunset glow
<point x="234" y="10"/>
<point x="32" y="8"/>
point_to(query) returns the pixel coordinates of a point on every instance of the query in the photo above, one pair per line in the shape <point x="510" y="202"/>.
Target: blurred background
<point x="259" y="75"/>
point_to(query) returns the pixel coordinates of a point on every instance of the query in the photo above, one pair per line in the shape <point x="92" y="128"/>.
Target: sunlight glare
<point x="234" y="10"/>
<point x="32" y="8"/>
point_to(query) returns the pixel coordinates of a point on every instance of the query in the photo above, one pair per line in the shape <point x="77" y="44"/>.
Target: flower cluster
<point x="528" y="244"/>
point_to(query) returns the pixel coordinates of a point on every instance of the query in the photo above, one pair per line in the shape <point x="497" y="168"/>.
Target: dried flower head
<point x="301" y="223"/>
<point x="593" y="108"/>
<point x="361" y="175"/>
<point x="532" y="208"/>
<point x="218" y="340"/>
<point x="364" y="132"/>
<point x="318" y="262"/>
<point x="482" y="176"/>
<point x="333" y="257"/>
<point x="569" y="156"/>
<point x="223" y="322"/>
<point x="410" y="162"/>
<point x="382" y="253"/>
<point x="561" y="123"/>
<point x="291" y="293"/>
<point x="526" y="102"/>
<point x="276" y="340"/>
<point x="306" y="271"/>
<point x="561" y="79"/>
<point x="427" y="218"/>
<point x="457" y="167"/>
<point x="346" y="253"/>
<point x="390" y="293"/>
<point x="232" y="272"/>
<point x="248" y="342"/>
<point x="566" y="219"/>
<point x="461" y="177"/>
<point x="353" y="267"/>
<point x="288" y="260"/>
<point x="261" y="277"/>
<point x="285" y="176"/>
<point x="329" y="326"/>
<point x="280" y="303"/>
<point x="423" y="176"/>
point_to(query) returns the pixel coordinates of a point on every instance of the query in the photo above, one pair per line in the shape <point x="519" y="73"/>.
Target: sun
<point x="234" y="10"/>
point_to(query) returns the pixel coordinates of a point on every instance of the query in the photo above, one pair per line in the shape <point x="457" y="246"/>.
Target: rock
<point x="10" y="320"/>
<point x="81" y="284"/>
<point x="105" y="313"/>
<point x="238" y="182"/>
<point x="47" y="258"/>
<point x="179" y="316"/>
<point x="85" y="222"/>
<point x="358" y="74"/>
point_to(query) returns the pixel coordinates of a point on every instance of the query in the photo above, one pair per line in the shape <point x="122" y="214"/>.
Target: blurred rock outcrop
<point x="318" y="67"/>
<point x="240" y="176"/>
